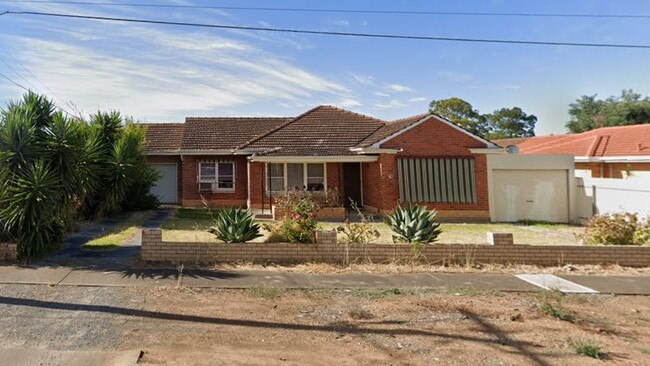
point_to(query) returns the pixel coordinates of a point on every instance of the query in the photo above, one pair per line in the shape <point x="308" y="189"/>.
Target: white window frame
<point x="284" y="170"/>
<point x="214" y="183"/>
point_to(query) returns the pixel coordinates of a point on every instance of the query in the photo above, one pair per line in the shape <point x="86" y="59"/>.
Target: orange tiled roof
<point x="633" y="140"/>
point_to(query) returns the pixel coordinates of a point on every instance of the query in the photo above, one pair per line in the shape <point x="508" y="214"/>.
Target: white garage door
<point x="166" y="189"/>
<point x="540" y="195"/>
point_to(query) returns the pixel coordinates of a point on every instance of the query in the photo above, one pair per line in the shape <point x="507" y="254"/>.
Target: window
<point x="301" y="176"/>
<point x="276" y="177"/>
<point x="217" y="176"/>
<point x="447" y="180"/>
<point x="315" y="177"/>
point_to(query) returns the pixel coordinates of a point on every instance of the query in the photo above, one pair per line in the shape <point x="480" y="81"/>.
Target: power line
<point x="345" y="34"/>
<point x="29" y="90"/>
<point x="344" y="11"/>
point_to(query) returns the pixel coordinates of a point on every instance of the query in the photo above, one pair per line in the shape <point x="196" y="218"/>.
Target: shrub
<point x="413" y="224"/>
<point x="358" y="232"/>
<point x="287" y="200"/>
<point x="589" y="349"/>
<point x="299" y="228"/>
<point x="617" y="229"/>
<point x="235" y="226"/>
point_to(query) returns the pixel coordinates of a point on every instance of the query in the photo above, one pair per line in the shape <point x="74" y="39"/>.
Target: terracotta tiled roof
<point x="215" y="133"/>
<point x="163" y="136"/>
<point x="631" y="140"/>
<point x="390" y="128"/>
<point x="322" y="131"/>
<point x="511" y="141"/>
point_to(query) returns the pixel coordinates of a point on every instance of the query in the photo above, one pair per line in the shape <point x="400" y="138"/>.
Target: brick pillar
<point x="151" y="242"/>
<point x="10" y="252"/>
<point x="388" y="182"/>
<point x="255" y="188"/>
<point x="500" y="238"/>
<point x="326" y="237"/>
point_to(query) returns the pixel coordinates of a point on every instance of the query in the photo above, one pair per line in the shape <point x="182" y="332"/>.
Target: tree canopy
<point x="588" y="112"/>
<point x="502" y="123"/>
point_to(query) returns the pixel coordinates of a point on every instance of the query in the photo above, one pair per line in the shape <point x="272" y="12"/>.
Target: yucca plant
<point x="235" y="226"/>
<point x="413" y="224"/>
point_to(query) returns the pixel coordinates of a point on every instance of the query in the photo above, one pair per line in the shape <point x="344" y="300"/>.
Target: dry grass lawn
<point x="121" y="233"/>
<point x="195" y="230"/>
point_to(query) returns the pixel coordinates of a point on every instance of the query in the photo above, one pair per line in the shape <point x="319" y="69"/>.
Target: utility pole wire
<point x="29" y="90"/>
<point x="331" y="33"/>
<point x="343" y="11"/>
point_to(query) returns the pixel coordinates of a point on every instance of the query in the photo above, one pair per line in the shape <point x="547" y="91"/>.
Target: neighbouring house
<point x="612" y="166"/>
<point x="607" y="152"/>
<point x="424" y="159"/>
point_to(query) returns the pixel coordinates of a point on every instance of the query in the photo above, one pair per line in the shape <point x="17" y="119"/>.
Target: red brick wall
<point x="169" y="159"/>
<point x="191" y="197"/>
<point x="429" y="139"/>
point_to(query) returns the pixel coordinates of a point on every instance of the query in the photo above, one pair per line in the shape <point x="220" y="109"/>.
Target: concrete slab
<point x="45" y="357"/>
<point x="623" y="285"/>
<point x="124" y="277"/>
<point x="485" y="282"/>
<point x="33" y="275"/>
<point x="551" y="282"/>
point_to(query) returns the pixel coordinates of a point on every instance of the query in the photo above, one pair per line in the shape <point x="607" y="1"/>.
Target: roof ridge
<point x="235" y="117"/>
<point x="273" y="130"/>
<point x="364" y="116"/>
<point x="416" y="116"/>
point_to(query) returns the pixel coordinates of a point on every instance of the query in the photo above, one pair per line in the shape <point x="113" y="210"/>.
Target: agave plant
<point x="413" y="224"/>
<point x="235" y="226"/>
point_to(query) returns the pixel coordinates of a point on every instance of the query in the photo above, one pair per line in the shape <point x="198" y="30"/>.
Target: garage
<point x="531" y="188"/>
<point x="534" y="195"/>
<point x="166" y="189"/>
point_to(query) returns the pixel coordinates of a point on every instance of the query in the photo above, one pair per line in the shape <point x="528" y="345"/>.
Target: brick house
<point x="244" y="162"/>
<point x="607" y="152"/>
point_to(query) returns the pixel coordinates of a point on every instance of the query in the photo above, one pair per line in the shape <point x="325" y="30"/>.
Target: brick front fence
<point x="500" y="250"/>
<point x="8" y="252"/>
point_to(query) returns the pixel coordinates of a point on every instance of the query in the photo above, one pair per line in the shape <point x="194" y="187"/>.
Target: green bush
<point x="287" y="200"/>
<point x="617" y="229"/>
<point x="414" y="224"/>
<point x="55" y="169"/>
<point x="235" y="226"/>
<point x="300" y="227"/>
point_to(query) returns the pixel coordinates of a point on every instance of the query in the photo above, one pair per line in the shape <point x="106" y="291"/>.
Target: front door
<point x="352" y="184"/>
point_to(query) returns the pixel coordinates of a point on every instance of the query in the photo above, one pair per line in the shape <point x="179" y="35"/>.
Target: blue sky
<point x="164" y="73"/>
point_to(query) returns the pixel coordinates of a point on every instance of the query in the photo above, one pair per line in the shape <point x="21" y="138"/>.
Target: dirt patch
<point x="414" y="328"/>
<point x="324" y="327"/>
<point x="324" y="268"/>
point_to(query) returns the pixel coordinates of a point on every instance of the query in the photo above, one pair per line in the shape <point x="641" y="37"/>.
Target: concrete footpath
<point x="203" y="278"/>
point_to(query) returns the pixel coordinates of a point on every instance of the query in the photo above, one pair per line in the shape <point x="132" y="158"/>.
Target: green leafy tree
<point x="510" y="122"/>
<point x="588" y="112"/>
<point x="503" y="123"/>
<point x="460" y="113"/>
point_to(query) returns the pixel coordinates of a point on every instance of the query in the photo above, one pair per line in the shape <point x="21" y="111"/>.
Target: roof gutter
<point x="613" y="159"/>
<point x="373" y="150"/>
<point x="312" y="159"/>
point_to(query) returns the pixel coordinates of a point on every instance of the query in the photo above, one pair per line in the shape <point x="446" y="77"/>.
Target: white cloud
<point x="382" y="94"/>
<point x="392" y="104"/>
<point x="159" y="88"/>
<point x="363" y="79"/>
<point x="399" y="88"/>
<point x="341" y="23"/>
<point x="348" y="102"/>
<point x="417" y="99"/>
